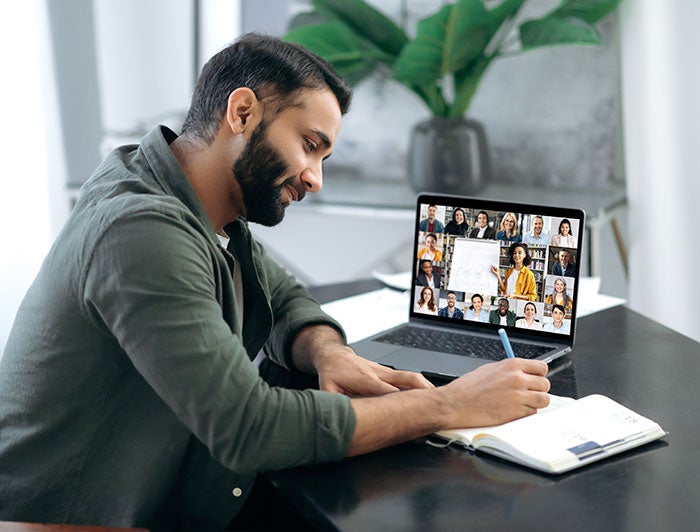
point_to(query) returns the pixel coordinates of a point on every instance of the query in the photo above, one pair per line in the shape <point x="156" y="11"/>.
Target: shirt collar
<point x="169" y="175"/>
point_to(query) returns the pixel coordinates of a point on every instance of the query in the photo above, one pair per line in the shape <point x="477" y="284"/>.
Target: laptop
<point x="462" y="246"/>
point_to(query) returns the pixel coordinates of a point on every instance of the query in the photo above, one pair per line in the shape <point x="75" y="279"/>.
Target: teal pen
<point x="506" y="343"/>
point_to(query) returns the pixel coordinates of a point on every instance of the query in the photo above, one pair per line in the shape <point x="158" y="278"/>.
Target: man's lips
<point x="295" y="194"/>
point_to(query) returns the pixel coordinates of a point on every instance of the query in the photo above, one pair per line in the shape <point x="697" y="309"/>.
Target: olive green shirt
<point x="127" y="392"/>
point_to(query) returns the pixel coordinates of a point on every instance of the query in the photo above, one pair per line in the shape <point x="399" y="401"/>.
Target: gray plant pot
<point x="448" y="155"/>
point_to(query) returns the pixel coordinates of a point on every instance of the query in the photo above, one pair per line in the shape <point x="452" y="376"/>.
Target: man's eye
<point x="310" y="145"/>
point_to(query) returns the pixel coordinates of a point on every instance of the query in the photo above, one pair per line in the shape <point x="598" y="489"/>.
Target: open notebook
<point x="566" y="435"/>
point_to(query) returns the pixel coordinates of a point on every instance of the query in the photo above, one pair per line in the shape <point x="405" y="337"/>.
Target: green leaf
<point x="471" y="28"/>
<point x="334" y="42"/>
<point x="451" y="40"/>
<point x="421" y="61"/>
<point x="590" y="11"/>
<point x="366" y="22"/>
<point x="552" y="30"/>
<point x="468" y="32"/>
<point x="466" y="83"/>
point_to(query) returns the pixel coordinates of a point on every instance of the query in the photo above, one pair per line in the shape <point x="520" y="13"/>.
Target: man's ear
<point x="243" y="110"/>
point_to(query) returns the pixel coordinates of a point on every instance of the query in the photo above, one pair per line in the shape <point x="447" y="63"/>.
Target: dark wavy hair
<point x="527" y="260"/>
<point x="273" y="69"/>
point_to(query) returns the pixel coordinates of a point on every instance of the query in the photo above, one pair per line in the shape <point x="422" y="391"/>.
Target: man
<point x="127" y="393"/>
<point x="430" y="224"/>
<point x="502" y="315"/>
<point x="558" y="324"/>
<point x="564" y="268"/>
<point x="537" y="236"/>
<point x="482" y="229"/>
<point x="451" y="310"/>
<point x="428" y="276"/>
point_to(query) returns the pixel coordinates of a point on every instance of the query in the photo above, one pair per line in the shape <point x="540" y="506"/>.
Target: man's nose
<point x="313" y="178"/>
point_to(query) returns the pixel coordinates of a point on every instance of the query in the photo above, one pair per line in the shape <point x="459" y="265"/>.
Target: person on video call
<point x="430" y="224"/>
<point x="558" y="323"/>
<point x="482" y="228"/>
<point x="128" y="393"/>
<point x="559" y="295"/>
<point x="476" y="312"/>
<point x="428" y="276"/>
<point x="509" y="228"/>
<point x="451" y="310"/>
<point x="426" y="301"/>
<point x="529" y="321"/>
<point x="458" y="225"/>
<point x="430" y="251"/>
<point x="564" y="267"/>
<point x="564" y="238"/>
<point x="519" y="281"/>
<point x="537" y="236"/>
<point x="502" y="315"/>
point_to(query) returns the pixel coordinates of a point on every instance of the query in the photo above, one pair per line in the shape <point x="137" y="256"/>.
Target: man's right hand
<point x="490" y="395"/>
<point x="497" y="393"/>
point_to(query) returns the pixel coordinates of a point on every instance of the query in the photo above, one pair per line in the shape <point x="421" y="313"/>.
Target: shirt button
<point x="237" y="492"/>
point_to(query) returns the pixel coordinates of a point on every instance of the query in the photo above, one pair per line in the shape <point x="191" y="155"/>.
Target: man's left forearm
<point x="312" y="343"/>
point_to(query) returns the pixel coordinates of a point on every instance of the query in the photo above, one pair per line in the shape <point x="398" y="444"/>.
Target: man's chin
<point x="269" y="221"/>
<point x="268" y="216"/>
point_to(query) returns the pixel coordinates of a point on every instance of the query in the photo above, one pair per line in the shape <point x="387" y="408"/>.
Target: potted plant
<point x="443" y="65"/>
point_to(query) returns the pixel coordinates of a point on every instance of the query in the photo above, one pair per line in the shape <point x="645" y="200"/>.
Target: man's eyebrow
<point x="322" y="137"/>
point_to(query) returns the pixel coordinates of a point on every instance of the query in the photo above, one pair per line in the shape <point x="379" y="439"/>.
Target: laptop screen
<point x="496" y="264"/>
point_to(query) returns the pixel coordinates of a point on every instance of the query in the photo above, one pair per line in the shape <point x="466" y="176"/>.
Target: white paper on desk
<point x="400" y="281"/>
<point x="590" y="301"/>
<point x="369" y="313"/>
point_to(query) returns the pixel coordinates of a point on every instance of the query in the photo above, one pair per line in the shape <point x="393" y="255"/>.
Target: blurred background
<point x="614" y="127"/>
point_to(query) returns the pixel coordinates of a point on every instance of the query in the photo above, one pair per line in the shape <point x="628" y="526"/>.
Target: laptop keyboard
<point x="458" y="344"/>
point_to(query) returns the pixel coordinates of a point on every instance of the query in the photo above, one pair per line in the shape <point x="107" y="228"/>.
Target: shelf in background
<point x="338" y="190"/>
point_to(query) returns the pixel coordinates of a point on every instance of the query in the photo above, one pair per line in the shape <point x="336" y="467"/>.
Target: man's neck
<point x="221" y="197"/>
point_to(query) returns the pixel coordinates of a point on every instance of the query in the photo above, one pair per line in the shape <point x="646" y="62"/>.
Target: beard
<point x="257" y="170"/>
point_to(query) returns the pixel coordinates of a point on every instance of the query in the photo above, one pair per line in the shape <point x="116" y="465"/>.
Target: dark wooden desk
<point x="413" y="486"/>
<point x="7" y="526"/>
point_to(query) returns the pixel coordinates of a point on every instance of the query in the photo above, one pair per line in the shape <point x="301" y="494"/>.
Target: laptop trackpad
<point x="429" y="361"/>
